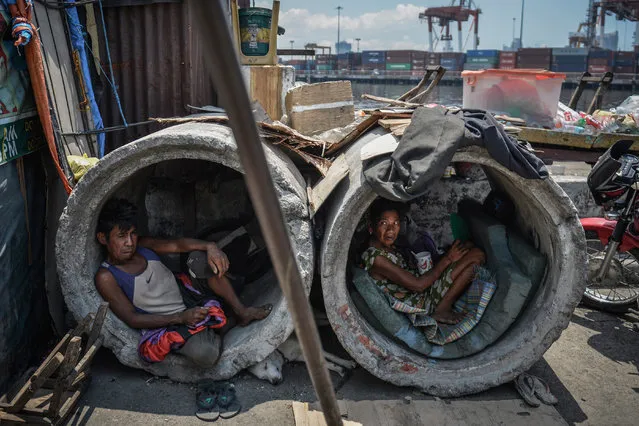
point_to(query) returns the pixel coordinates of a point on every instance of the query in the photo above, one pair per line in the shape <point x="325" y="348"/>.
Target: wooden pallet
<point x="50" y="394"/>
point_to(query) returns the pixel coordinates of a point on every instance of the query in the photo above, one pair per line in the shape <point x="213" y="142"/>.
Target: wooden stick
<point x="412" y="91"/>
<point x="353" y="135"/>
<point x="390" y="101"/>
<point x="96" y="328"/>
<point x="70" y="359"/>
<point x="33" y="383"/>
<point x="420" y="98"/>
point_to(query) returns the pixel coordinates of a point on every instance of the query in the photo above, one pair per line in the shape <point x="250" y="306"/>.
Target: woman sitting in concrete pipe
<point x="175" y="312"/>
<point x="433" y="289"/>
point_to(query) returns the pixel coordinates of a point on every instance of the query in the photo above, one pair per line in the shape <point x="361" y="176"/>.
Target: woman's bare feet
<point x="251" y="314"/>
<point x="448" y="317"/>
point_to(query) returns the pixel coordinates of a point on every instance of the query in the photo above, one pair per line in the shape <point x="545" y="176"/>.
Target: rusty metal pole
<point x="222" y="63"/>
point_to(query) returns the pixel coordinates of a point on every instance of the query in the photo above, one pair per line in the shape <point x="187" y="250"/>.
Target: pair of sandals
<point x="534" y="390"/>
<point x="216" y="400"/>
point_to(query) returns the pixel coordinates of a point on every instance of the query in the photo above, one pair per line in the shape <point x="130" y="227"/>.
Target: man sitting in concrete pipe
<point x="175" y="313"/>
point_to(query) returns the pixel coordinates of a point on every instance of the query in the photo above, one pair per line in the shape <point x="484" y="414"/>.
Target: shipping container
<point x="398" y="67"/>
<point x="506" y="67"/>
<point x="418" y="55"/>
<point x="600" y="61"/>
<point x="453" y="55"/>
<point x="624" y="55"/>
<point x="570" y="60"/>
<point x="601" y="54"/>
<point x="324" y="67"/>
<point x="507" y="55"/>
<point x="374" y="57"/>
<point x="482" y="53"/>
<point x="535" y="51"/>
<point x="624" y="62"/>
<point x="598" y="69"/>
<point x="473" y="66"/>
<point x="325" y="59"/>
<point x="482" y="60"/>
<point x="577" y="68"/>
<point x="570" y="51"/>
<point x="624" y="70"/>
<point x="508" y="61"/>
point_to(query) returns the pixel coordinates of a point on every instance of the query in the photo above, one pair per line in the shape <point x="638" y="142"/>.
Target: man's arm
<point x="216" y="257"/>
<point x="124" y="309"/>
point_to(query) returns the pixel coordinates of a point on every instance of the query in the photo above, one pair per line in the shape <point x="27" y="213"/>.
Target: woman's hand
<point x="217" y="260"/>
<point x="456" y="252"/>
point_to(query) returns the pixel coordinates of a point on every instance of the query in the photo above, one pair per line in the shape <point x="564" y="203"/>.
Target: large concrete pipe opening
<point x="545" y="216"/>
<point x="185" y="180"/>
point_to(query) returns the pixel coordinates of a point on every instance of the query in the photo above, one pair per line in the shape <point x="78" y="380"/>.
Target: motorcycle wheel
<point x="619" y="290"/>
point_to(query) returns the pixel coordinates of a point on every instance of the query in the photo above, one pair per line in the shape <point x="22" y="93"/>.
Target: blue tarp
<point x="76" y="34"/>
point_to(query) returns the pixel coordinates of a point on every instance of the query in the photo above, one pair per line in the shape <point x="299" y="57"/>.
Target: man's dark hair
<point x="382" y="205"/>
<point x="117" y="212"/>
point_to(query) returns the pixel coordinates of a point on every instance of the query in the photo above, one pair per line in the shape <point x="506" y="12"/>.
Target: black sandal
<point x="227" y="400"/>
<point x="206" y="400"/>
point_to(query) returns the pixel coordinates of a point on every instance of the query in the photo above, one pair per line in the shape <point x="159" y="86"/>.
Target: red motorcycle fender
<point x="604" y="228"/>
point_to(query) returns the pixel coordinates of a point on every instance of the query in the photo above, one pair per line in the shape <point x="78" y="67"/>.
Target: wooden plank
<point x="300" y="412"/>
<point x="314" y="108"/>
<point x="387" y="123"/>
<point x="96" y="328"/>
<point x="70" y="359"/>
<point x="266" y="88"/>
<point x="362" y="127"/>
<point x="33" y="383"/>
<point x="7" y="418"/>
<point x="555" y="138"/>
<point x="325" y="187"/>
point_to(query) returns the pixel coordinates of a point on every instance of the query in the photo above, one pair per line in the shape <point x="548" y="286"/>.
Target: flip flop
<point x="542" y="391"/>
<point x="525" y="385"/>
<point x="206" y="401"/>
<point x="227" y="400"/>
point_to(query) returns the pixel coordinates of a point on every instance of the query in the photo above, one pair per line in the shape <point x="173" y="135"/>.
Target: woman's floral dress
<point x="401" y="298"/>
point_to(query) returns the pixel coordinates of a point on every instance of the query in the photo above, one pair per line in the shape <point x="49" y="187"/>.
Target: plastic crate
<point x="528" y="94"/>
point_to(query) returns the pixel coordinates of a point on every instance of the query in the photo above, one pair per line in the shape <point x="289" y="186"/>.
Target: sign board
<point x="20" y="129"/>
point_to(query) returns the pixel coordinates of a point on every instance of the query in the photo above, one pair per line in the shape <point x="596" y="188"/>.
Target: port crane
<point x="459" y="11"/>
<point x="622" y="10"/>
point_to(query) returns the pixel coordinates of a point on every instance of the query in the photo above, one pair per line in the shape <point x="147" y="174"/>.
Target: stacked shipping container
<point x="481" y="59"/>
<point x="398" y="60"/>
<point x="325" y="62"/>
<point x="600" y="61"/>
<point x="507" y="60"/>
<point x="538" y="58"/>
<point x="624" y="63"/>
<point x="433" y="58"/>
<point x="452" y="61"/>
<point x="569" y="60"/>
<point x="349" y="61"/>
<point x="374" y="59"/>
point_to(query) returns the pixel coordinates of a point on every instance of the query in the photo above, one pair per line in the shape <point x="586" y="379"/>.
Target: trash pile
<point x="623" y="119"/>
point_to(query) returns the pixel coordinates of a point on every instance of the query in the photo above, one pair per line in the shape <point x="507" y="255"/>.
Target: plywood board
<point x="382" y="145"/>
<point x="314" y="108"/>
<point x="266" y="88"/>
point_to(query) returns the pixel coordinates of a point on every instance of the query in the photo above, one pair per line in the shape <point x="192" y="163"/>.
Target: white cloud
<point x="397" y="28"/>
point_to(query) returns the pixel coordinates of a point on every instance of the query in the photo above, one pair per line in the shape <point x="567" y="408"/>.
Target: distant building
<point x="343" y="47"/>
<point x="610" y="41"/>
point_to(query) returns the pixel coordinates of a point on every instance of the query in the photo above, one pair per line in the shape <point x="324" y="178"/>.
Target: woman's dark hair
<point x="382" y="205"/>
<point x="117" y="212"/>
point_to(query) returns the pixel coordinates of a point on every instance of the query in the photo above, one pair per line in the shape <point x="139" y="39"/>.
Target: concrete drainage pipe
<point x="155" y="172"/>
<point x="544" y="210"/>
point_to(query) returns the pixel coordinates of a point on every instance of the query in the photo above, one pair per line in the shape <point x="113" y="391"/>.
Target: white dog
<point x="290" y="351"/>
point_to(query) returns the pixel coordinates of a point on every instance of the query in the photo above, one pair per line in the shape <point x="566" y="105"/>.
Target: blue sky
<point x="384" y="24"/>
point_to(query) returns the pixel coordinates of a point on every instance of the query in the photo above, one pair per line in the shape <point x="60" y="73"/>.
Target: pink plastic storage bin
<point x="528" y="94"/>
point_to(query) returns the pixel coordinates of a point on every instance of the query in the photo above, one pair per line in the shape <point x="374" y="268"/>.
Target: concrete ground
<point x="593" y="369"/>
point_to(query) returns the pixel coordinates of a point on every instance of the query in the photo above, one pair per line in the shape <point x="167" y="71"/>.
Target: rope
<point x="22" y="31"/>
<point x="108" y="52"/>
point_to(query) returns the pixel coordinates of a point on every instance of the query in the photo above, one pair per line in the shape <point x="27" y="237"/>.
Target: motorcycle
<point x="613" y="240"/>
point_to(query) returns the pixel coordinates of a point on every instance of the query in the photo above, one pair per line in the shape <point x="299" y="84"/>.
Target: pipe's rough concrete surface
<point x="79" y="255"/>
<point x="545" y="213"/>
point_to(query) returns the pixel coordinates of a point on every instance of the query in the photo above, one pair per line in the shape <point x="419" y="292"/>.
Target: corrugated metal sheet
<point x="158" y="66"/>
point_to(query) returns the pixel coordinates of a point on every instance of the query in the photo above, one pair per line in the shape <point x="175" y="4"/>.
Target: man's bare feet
<point x="448" y="317"/>
<point x="251" y="314"/>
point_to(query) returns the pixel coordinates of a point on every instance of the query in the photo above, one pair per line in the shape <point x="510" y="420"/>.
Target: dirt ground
<point x="593" y="369"/>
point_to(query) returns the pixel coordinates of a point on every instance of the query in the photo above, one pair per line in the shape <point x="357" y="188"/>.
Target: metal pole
<point x="224" y="70"/>
<point x="339" y="9"/>
<point x="357" y="40"/>
<point x="521" y="28"/>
